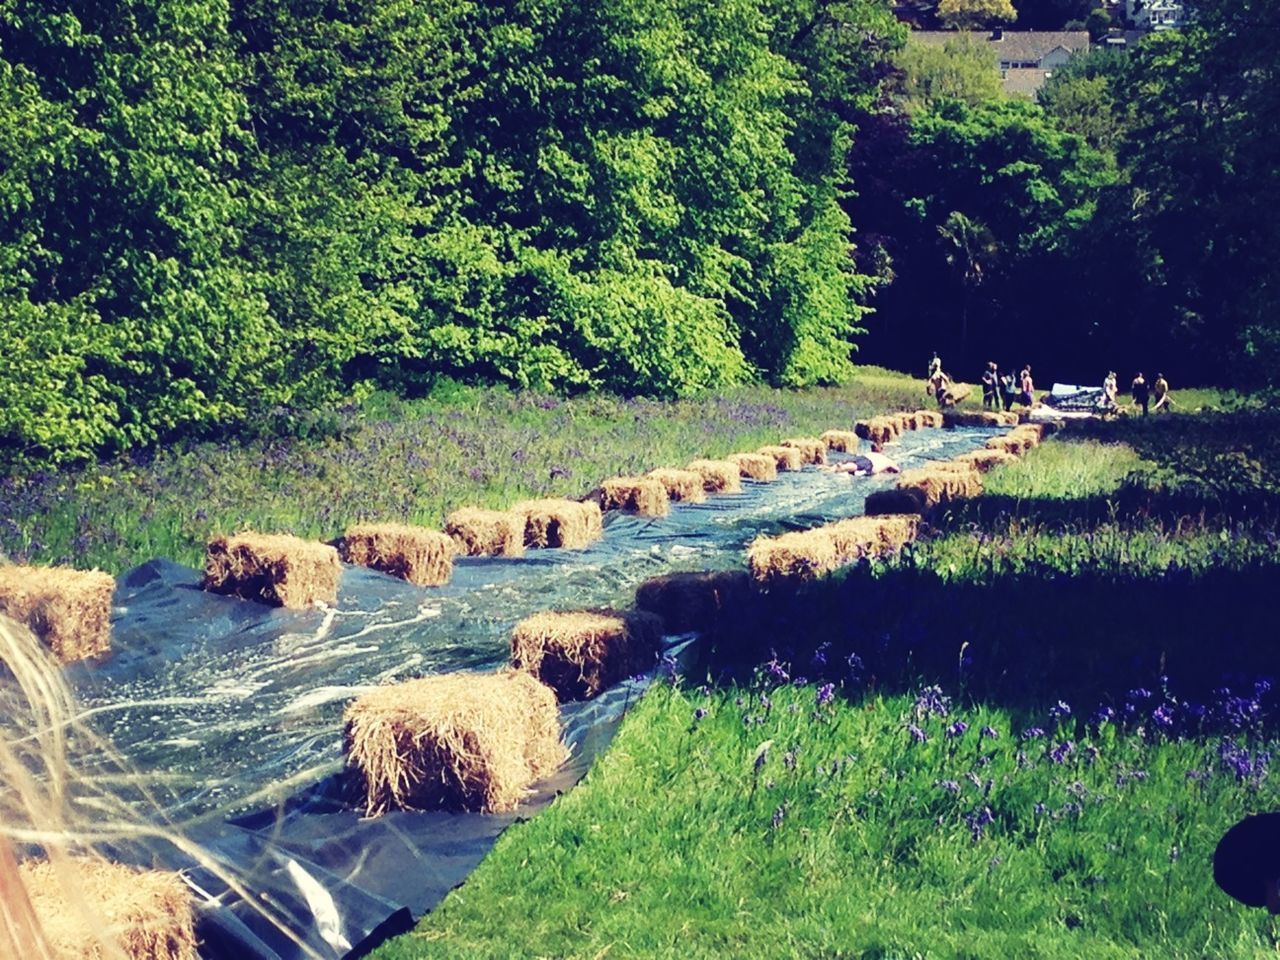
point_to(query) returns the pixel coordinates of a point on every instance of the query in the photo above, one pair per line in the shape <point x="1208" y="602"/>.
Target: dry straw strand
<point x="277" y="569"/>
<point x="460" y="741"/>
<point x="69" y="610"/>
<point x="580" y="653"/>
<point x="416" y="554"/>
<point x="486" y="533"/>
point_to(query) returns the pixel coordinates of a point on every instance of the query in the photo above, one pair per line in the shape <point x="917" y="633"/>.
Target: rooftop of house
<point x="1024" y="81"/>
<point x="1014" y="45"/>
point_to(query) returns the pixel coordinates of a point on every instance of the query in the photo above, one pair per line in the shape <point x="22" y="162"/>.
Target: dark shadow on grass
<point x="1017" y="641"/>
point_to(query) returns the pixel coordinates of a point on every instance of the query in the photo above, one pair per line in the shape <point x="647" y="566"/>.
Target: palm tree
<point x="970" y="248"/>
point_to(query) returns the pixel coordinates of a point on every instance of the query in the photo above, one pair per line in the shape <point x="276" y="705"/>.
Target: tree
<point x="960" y="69"/>
<point x="975" y="14"/>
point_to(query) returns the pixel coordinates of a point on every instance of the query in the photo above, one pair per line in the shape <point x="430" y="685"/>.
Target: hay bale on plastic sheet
<point x="926" y="419"/>
<point x="477" y="532"/>
<point x="692" y="601"/>
<point x="69" y="610"/>
<point x="416" y="554"/>
<point x="455" y="741"/>
<point x="903" y="421"/>
<point x="1007" y="443"/>
<point x="807" y="554"/>
<point x="956" y="393"/>
<point x="718" y="476"/>
<point x="580" y="653"/>
<point x="755" y="466"/>
<point x="921" y="490"/>
<point x="784" y="458"/>
<point x="984" y="460"/>
<point x="844" y="441"/>
<point x="273" y="568"/>
<point x="812" y="449"/>
<point x="565" y="524"/>
<point x="88" y="909"/>
<point x="878" y="430"/>
<point x="643" y="495"/>
<point x="684" y="486"/>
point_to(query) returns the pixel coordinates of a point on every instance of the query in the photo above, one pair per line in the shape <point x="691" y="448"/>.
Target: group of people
<point x="1004" y="391"/>
<point x="1143" y="393"/>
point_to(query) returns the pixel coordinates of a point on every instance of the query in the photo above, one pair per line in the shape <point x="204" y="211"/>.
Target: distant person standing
<point x="1160" y="389"/>
<point x="1009" y="390"/>
<point x="1110" y="391"/>
<point x="1141" y="392"/>
<point x="1027" y="386"/>
<point x="991" y="386"/>
<point x="935" y="366"/>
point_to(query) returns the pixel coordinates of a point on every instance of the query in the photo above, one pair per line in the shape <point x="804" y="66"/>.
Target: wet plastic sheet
<point x="229" y="708"/>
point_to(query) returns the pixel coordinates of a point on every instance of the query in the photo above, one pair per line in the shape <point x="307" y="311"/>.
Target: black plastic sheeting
<point x="231" y="711"/>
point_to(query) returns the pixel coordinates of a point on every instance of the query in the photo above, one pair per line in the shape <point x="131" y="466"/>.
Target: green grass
<point x="402" y="461"/>
<point x="798" y="830"/>
<point x="1067" y="469"/>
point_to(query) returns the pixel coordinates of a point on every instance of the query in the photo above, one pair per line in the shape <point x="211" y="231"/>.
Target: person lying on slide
<point x="865" y="465"/>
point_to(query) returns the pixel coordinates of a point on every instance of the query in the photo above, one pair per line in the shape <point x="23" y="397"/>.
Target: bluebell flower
<point x="826" y="693"/>
<point x="1062" y="751"/>
<point x="918" y="735"/>
<point x="957" y="729"/>
<point x="989" y="733"/>
<point x="1060" y="710"/>
<point x="1033" y="733"/>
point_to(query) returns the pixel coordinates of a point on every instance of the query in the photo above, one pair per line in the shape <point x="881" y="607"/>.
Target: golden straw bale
<point x="919" y="491"/>
<point x="718" y="476"/>
<point x="1007" y="443"/>
<point x="1037" y="430"/>
<point x="973" y="418"/>
<point x="88" y="909"/>
<point x="486" y="533"/>
<point x="929" y="418"/>
<point x="580" y="653"/>
<point x="69" y="610"/>
<point x="807" y="554"/>
<point x="812" y="449"/>
<point x="645" y="495"/>
<point x="569" y="524"/>
<point x="845" y="441"/>
<point x="785" y="458"/>
<point x="878" y="430"/>
<point x="985" y="460"/>
<point x="952" y="466"/>
<point x="692" y="601"/>
<point x="416" y="554"/>
<point x="457" y="741"/>
<point x="278" y="569"/>
<point x="681" y="485"/>
<point x="755" y="466"/>
<point x="902" y="421"/>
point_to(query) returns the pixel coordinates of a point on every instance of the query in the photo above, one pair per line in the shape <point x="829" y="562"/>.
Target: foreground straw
<point x="416" y="554"/>
<point x="276" y="569"/>
<point x="581" y="653"/>
<point x="462" y="741"/>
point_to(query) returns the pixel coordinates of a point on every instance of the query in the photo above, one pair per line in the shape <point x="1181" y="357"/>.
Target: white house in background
<point x="1025" y="58"/>
<point x="1154" y="14"/>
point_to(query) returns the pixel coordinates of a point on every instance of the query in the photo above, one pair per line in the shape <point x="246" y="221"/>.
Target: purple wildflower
<point x="1162" y="717"/>
<point x="950" y="786"/>
<point x="1062" y="751"/>
<point x="989" y="733"/>
<point x="932" y="701"/>
<point x="1033" y="733"/>
<point x="826" y="693"/>
<point x="1060" y="710"/>
<point x="1102" y="716"/>
<point x="918" y="735"/>
<point x="699" y="714"/>
<point x="957" y="729"/>
<point x="778" y="816"/>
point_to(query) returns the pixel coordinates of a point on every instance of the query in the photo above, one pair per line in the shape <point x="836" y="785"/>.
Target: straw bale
<point x="1037" y="430"/>
<point x="718" y="476"/>
<point x="277" y="569"/>
<point x="416" y="554"/>
<point x="681" y="485"/>
<point x="878" y="430"/>
<point x="807" y="554"/>
<point x="580" y="653"/>
<point x="477" y="532"/>
<point x="956" y="393"/>
<point x="889" y="502"/>
<point x="692" y="601"/>
<point x="846" y="441"/>
<point x="568" y="524"/>
<point x="755" y="466"/>
<point x="69" y="610"/>
<point x="645" y="495"/>
<point x="985" y="460"/>
<point x="902" y="421"/>
<point x="812" y="449"/>
<point x="929" y="418"/>
<point x="785" y="458"/>
<point x="919" y="491"/>
<point x="952" y="466"/>
<point x="457" y="741"/>
<point x="88" y="907"/>
<point x="972" y="418"/>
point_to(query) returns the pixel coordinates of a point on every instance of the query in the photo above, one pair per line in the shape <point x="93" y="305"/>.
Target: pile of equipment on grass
<point x="416" y="554"/>
<point x="486" y="533"/>
<point x="807" y="554"/>
<point x="277" y="569"/>
<point x="924" y="489"/>
<point x="459" y="741"/>
<point x="69" y="610"/>
<point x="568" y="524"/>
<point x="91" y="909"/>
<point x="692" y="601"/>
<point x="579" y="653"/>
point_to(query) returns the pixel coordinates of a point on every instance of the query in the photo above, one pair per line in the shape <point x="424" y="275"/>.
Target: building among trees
<point x="1025" y="58"/>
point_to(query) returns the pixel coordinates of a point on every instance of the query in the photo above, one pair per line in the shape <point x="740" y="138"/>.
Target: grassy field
<point x="401" y="461"/>
<point x="1020" y="738"/>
